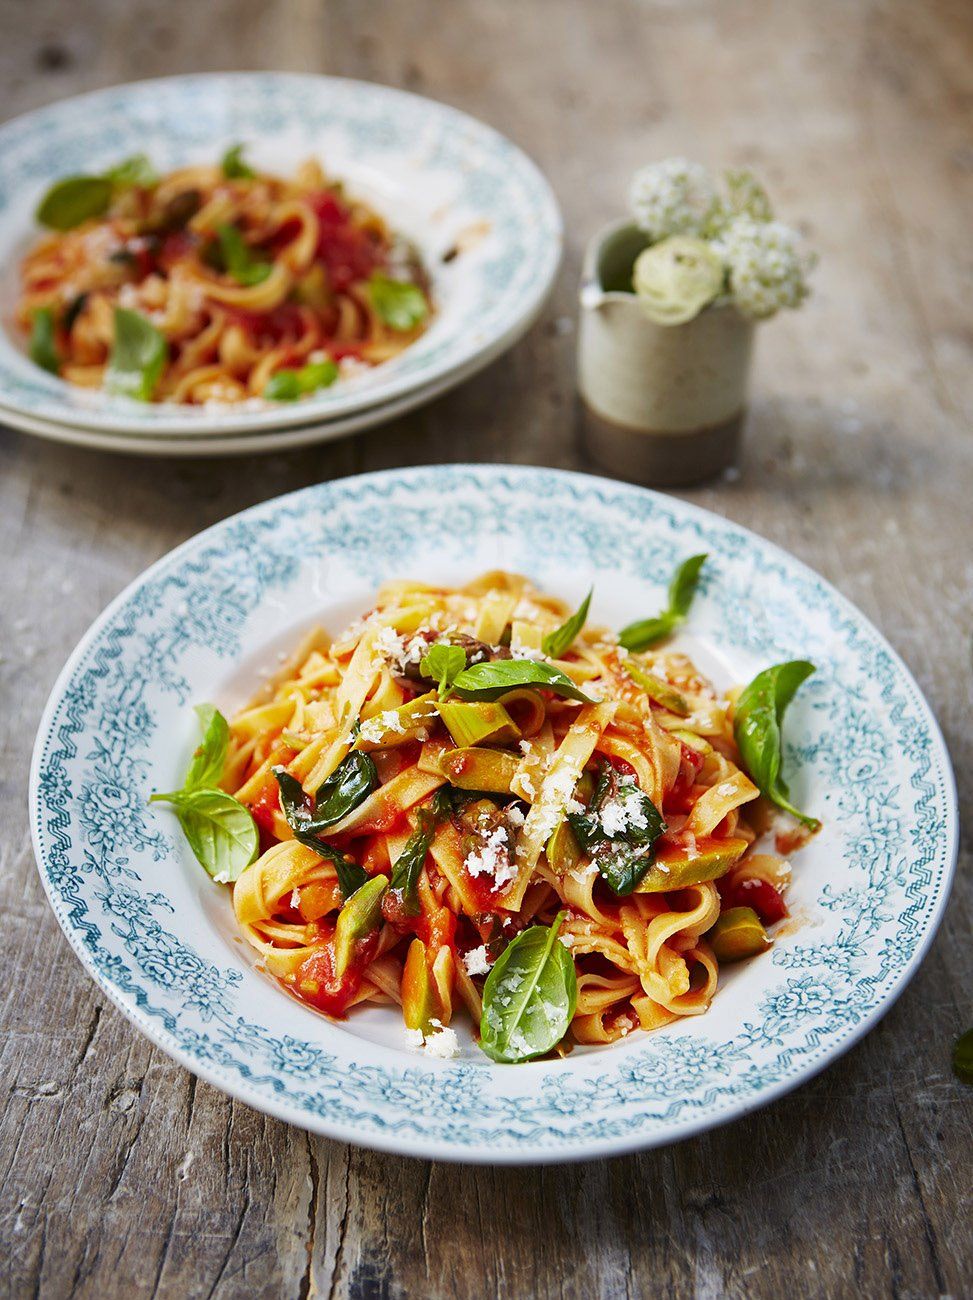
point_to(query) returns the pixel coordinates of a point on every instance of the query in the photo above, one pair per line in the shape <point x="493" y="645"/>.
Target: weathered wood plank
<point x="123" y="1175"/>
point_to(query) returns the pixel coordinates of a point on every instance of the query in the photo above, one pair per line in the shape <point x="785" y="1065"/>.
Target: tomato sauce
<point x="762" y="897"/>
<point x="262" y="811"/>
<point x="482" y="890"/>
<point x="315" y="980"/>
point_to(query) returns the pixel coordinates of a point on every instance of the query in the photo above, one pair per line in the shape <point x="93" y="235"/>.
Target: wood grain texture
<point x="122" y="1175"/>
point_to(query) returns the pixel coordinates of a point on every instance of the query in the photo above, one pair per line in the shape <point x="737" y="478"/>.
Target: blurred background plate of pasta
<point x="221" y="612"/>
<point x="313" y="199"/>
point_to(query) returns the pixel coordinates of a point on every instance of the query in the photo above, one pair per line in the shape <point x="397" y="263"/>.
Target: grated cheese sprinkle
<point x="476" y="961"/>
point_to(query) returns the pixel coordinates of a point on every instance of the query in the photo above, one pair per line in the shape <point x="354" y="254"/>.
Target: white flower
<point x="674" y="197"/>
<point x="768" y="266"/>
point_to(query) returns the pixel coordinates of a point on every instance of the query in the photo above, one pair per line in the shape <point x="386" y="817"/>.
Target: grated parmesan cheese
<point x="518" y="651"/>
<point x="476" y="961"/>
<point x="443" y="1043"/>
<point x="491" y="858"/>
<point x="557" y="789"/>
<point x="622" y="814"/>
<point x="375" y="728"/>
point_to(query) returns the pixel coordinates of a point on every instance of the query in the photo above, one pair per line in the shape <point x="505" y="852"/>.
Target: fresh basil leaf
<point x="220" y="831"/>
<point x="317" y="374"/>
<point x="757" y="730"/>
<point x="561" y="639"/>
<point x="963" y="1057"/>
<point x="399" y="303"/>
<point x="239" y="259"/>
<point x="290" y="385"/>
<point x="43" y="351"/>
<point x="233" y="166"/>
<point x="136" y="170"/>
<point x="294" y="801"/>
<point x="283" y="386"/>
<point x="442" y="662"/>
<point x="529" y="997"/>
<point x="348" y="785"/>
<point x="488" y="681"/>
<point x="138" y="356"/>
<point x="682" y="589"/>
<point x="297" y="810"/>
<point x="206" y="768"/>
<point x="408" y="865"/>
<point x="620" y="843"/>
<point x="73" y="200"/>
<point x="649" y="631"/>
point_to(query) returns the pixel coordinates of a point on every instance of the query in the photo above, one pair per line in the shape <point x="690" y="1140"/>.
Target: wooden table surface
<point x="121" y="1174"/>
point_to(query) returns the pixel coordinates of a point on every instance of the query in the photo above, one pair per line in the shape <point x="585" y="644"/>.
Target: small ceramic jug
<point x="665" y="403"/>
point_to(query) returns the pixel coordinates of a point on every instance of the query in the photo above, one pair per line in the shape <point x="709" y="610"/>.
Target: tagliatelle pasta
<point x="431" y="786"/>
<point x="245" y="285"/>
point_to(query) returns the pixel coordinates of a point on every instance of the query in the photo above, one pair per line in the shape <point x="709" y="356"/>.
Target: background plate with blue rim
<point x="864" y="753"/>
<point x="440" y="177"/>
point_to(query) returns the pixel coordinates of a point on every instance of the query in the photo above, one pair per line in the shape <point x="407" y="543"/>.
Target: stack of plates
<point x="482" y="216"/>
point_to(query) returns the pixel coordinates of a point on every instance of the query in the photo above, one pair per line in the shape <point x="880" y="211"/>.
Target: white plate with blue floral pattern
<point x="443" y="179"/>
<point x="865" y="753"/>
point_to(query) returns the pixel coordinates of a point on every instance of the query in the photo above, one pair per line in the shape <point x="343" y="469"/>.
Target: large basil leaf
<point x="288" y="385"/>
<point x="220" y="831"/>
<point x="622" y="854"/>
<point x="138" y="356"/>
<point x="488" y="681"/>
<point x="529" y="997"/>
<point x="757" y="730"/>
<point x="400" y="304"/>
<point x="556" y="643"/>
<point x="206" y="767"/>
<point x="649" y="631"/>
<point x="43" y="351"/>
<point x="73" y="200"/>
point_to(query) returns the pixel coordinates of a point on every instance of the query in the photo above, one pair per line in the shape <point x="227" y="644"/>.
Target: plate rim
<point x="422" y="1147"/>
<point x="252" y="423"/>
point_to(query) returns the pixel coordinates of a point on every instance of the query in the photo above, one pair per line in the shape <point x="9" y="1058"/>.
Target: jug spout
<point x="592" y="296"/>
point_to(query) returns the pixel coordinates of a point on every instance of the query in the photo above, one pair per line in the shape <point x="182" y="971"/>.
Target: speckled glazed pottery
<point x="664" y="403"/>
